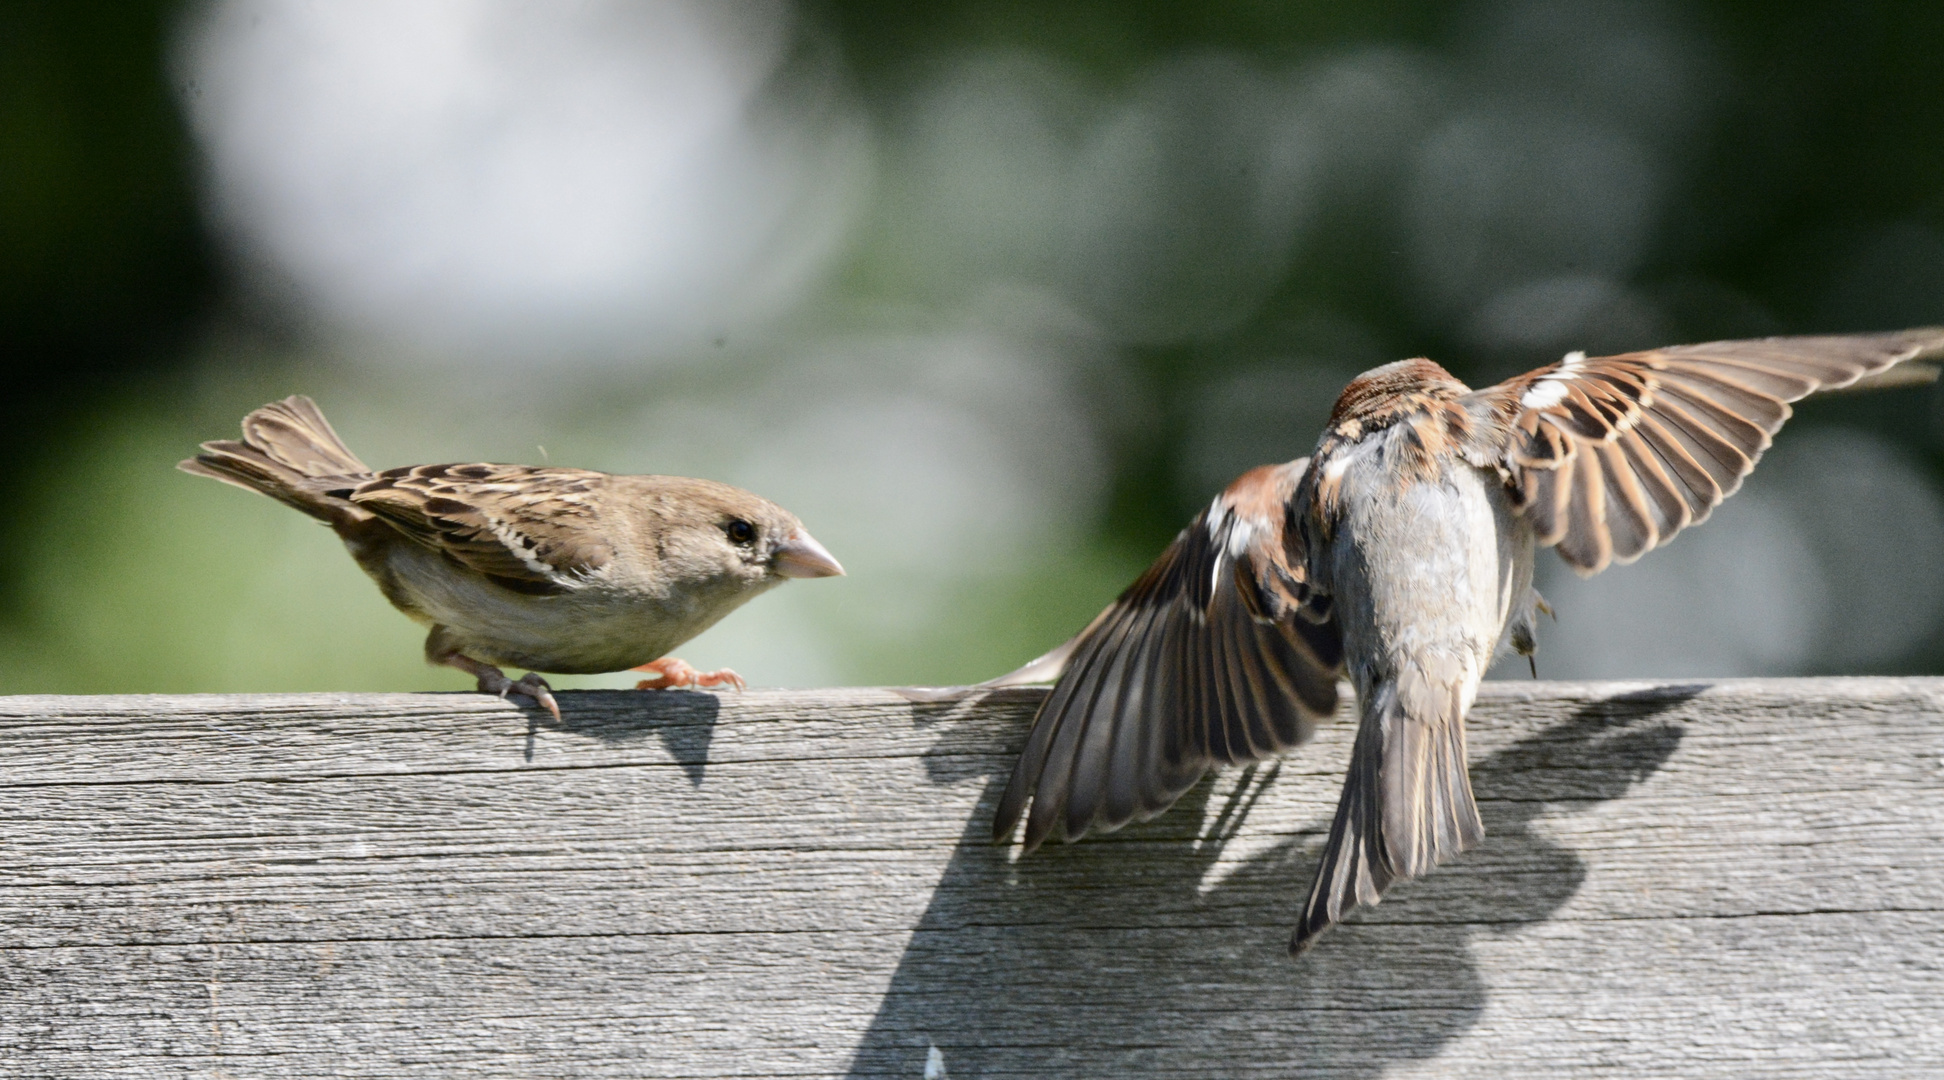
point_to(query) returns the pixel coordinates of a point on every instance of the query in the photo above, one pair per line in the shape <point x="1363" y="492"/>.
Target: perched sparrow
<point x="561" y="570"/>
<point x="1402" y="551"/>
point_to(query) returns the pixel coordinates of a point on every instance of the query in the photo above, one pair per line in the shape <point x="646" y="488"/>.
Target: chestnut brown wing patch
<point x="1611" y="456"/>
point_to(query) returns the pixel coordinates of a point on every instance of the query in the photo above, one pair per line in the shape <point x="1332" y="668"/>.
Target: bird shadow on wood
<point x="1135" y="953"/>
<point x="684" y="721"/>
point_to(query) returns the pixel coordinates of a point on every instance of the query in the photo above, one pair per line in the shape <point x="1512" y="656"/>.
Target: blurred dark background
<point x="993" y="293"/>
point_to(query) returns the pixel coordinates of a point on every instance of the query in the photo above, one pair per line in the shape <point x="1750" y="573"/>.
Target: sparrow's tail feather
<point x="1355" y="869"/>
<point x="289" y="453"/>
<point x="1407" y="803"/>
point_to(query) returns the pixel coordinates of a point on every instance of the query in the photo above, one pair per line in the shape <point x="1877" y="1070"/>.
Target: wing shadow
<point x="1111" y="958"/>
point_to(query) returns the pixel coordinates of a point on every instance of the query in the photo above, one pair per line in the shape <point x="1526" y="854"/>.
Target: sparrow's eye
<point x="740" y="531"/>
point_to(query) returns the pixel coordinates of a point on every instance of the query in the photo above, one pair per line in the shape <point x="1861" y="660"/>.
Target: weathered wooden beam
<point x="1730" y="880"/>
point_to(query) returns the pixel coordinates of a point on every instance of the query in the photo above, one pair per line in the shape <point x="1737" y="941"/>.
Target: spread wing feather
<point x="1611" y="456"/>
<point x="1203" y="661"/>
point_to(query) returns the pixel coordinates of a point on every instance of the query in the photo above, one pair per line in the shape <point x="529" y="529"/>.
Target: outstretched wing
<point x="532" y="530"/>
<point x="1203" y="661"/>
<point x="1610" y="456"/>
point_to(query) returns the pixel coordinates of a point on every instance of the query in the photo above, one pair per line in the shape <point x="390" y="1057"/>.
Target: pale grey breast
<point x="1433" y="565"/>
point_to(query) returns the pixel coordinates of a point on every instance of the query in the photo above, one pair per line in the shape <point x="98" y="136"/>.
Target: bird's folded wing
<point x="1610" y="456"/>
<point x="534" y="530"/>
<point x="1202" y="661"/>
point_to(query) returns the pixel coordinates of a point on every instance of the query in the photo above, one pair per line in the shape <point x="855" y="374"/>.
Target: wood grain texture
<point x="1739" y="879"/>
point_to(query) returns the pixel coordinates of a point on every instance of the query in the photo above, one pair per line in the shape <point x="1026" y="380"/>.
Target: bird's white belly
<point x="588" y="630"/>
<point x="1425" y="570"/>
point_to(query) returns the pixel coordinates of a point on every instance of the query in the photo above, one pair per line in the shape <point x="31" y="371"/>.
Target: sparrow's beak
<point x="802" y="556"/>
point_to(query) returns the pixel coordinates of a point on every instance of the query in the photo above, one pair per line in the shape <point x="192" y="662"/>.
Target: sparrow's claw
<point x="492" y="680"/>
<point x="535" y="687"/>
<point x="672" y="674"/>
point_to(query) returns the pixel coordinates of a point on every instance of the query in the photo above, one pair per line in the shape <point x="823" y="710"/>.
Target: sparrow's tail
<point x="289" y="453"/>
<point x="1407" y="802"/>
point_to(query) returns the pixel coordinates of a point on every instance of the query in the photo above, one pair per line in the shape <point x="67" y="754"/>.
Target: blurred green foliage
<point x="105" y="266"/>
<point x="103" y="258"/>
<point x="1812" y="199"/>
<point x="1833" y="132"/>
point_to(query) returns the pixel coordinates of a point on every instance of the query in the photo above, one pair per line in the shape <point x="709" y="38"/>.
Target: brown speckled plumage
<point x="552" y="569"/>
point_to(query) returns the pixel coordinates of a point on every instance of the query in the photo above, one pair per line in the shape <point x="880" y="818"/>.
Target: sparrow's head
<point x="1382" y="394"/>
<point x="711" y="531"/>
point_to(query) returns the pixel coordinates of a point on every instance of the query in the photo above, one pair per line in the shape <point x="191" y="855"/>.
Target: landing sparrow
<point x="1401" y="551"/>
<point x="550" y="569"/>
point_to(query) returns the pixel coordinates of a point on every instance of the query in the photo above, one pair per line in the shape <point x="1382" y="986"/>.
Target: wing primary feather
<point x="1048" y="811"/>
<point x="1245" y="680"/>
<point x="1023" y="785"/>
<point x="1240" y="713"/>
<point x="1288" y="724"/>
<point x="1586" y="545"/>
<point x="1085" y="780"/>
<point x="1192" y="643"/>
<point x="1315" y="675"/>
<point x="1727" y="392"/>
<point x="1698" y="485"/>
<point x="1716" y="461"/>
<point x="1170" y="759"/>
<point x="1105" y="776"/>
<point x="1773" y="381"/>
<point x="1547" y="502"/>
<point x="1745" y="436"/>
<point x="1668" y="507"/>
<point x="1629" y="518"/>
<point x="1216" y="695"/>
<point x="1047" y="722"/>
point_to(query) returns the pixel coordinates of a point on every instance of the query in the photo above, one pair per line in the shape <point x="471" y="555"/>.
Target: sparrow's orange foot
<point x="671" y="674"/>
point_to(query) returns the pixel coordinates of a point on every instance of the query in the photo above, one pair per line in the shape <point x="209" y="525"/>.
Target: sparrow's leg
<point x="1522" y="629"/>
<point x="672" y="674"/>
<point x="494" y="681"/>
